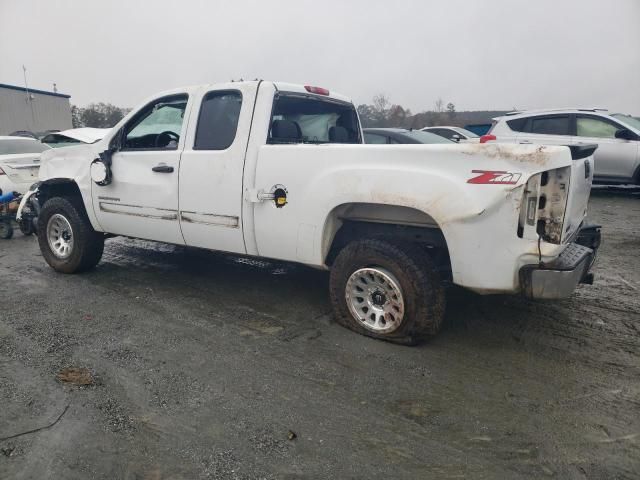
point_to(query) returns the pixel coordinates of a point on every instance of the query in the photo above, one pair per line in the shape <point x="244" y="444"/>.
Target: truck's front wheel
<point x="387" y="291"/>
<point x="67" y="240"/>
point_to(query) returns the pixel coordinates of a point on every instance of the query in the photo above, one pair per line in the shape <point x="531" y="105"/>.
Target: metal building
<point x="33" y="110"/>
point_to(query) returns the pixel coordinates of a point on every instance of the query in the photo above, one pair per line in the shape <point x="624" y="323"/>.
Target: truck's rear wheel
<point x="67" y="240"/>
<point x="387" y="291"/>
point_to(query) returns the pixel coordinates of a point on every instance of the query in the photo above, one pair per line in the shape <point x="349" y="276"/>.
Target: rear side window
<point x="374" y="138"/>
<point x="558" y="125"/>
<point x="218" y="120"/>
<point x="594" y="127"/>
<point x="517" y="124"/>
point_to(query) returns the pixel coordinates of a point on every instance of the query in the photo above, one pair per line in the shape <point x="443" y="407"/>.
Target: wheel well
<point x="430" y="238"/>
<point x="59" y="187"/>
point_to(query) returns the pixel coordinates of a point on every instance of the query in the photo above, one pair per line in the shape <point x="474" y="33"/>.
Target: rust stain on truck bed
<point x="539" y="156"/>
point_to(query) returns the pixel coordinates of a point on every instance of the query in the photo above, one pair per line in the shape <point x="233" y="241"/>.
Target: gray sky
<point x="491" y="54"/>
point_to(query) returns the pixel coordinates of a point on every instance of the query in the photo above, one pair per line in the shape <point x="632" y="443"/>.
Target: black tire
<point x="6" y="230"/>
<point x="87" y="243"/>
<point x="422" y="290"/>
<point x="26" y="227"/>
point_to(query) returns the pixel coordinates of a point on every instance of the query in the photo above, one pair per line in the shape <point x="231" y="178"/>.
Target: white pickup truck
<point x="277" y="170"/>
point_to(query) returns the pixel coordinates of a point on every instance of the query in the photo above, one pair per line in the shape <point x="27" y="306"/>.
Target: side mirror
<point x="455" y="137"/>
<point x="625" y="134"/>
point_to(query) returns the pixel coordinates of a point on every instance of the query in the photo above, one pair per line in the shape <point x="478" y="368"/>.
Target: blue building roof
<point x="33" y="90"/>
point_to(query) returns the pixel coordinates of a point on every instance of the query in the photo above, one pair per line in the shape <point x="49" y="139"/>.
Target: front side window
<point x="446" y="133"/>
<point x="628" y="120"/>
<point x="298" y="118"/>
<point x="218" y="120"/>
<point x="558" y="125"/>
<point x="157" y="126"/>
<point x="594" y="127"/>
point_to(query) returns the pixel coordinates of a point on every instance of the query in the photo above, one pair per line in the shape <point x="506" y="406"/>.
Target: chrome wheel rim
<point x="375" y="299"/>
<point x="60" y="236"/>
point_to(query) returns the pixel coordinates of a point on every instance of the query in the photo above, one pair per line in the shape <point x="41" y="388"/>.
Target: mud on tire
<point x="87" y="243"/>
<point x="422" y="291"/>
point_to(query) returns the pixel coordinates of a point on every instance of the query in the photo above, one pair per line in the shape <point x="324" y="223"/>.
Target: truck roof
<point x="282" y="86"/>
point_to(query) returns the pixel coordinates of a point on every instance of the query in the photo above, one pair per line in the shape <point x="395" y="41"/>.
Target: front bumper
<point x="558" y="279"/>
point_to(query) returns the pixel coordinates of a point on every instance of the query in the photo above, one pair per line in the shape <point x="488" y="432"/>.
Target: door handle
<point x="162" y="168"/>
<point x="525" y="142"/>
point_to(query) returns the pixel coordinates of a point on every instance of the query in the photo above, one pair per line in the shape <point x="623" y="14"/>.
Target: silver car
<point x="617" y="160"/>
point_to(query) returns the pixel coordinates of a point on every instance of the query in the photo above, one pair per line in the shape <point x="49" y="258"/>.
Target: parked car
<point x="400" y="135"/>
<point x="24" y="133"/>
<point x="19" y="163"/>
<point x="74" y="136"/>
<point x="617" y="160"/>
<point x="456" y="134"/>
<point x="278" y="170"/>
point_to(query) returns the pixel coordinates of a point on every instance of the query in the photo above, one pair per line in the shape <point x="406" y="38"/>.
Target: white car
<point x="277" y="170"/>
<point x="617" y="159"/>
<point x="19" y="163"/>
<point x="456" y="134"/>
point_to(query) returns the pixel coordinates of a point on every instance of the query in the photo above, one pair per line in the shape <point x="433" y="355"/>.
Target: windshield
<point x="628" y="119"/>
<point x="302" y="119"/>
<point x="426" y="137"/>
<point x="466" y="133"/>
<point x="17" y="146"/>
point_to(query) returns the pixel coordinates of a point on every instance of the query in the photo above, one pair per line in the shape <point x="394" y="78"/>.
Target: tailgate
<point x="21" y="168"/>
<point x="579" y="189"/>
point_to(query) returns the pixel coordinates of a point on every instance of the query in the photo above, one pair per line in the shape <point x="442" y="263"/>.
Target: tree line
<point x="97" y="115"/>
<point x="380" y="113"/>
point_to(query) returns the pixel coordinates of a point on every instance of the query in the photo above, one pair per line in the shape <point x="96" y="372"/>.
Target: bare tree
<point x="381" y="102"/>
<point x="439" y="106"/>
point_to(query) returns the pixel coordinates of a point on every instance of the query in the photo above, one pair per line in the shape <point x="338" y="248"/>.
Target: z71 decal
<point x="492" y="177"/>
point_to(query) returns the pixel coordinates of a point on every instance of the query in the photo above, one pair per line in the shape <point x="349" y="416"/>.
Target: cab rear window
<point x="299" y="118"/>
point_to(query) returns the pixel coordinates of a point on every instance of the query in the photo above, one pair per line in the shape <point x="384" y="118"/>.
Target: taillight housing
<point x="487" y="138"/>
<point x="544" y="203"/>
<point x="316" y="90"/>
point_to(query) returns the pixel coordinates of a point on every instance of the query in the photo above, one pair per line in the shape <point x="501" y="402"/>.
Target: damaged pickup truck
<point x="279" y="171"/>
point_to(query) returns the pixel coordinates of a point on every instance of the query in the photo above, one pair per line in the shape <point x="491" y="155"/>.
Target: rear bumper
<point x="558" y="279"/>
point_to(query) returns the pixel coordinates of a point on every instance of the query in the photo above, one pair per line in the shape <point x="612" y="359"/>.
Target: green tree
<point x="451" y="111"/>
<point x="101" y="115"/>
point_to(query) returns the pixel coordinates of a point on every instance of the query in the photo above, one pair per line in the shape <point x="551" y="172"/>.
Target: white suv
<point x="617" y="159"/>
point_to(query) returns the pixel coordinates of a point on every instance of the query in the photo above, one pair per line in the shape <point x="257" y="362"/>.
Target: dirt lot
<point x="203" y="364"/>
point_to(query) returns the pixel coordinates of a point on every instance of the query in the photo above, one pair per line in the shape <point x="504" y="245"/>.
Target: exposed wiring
<point x="539" y="251"/>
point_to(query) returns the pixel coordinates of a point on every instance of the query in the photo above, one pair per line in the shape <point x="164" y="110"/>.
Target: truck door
<point x="212" y="166"/>
<point x="142" y="199"/>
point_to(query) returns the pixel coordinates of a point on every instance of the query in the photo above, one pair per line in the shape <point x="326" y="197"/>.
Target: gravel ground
<point x="213" y="367"/>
